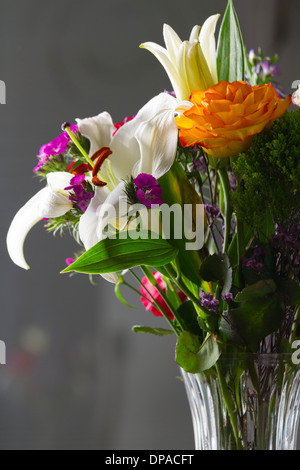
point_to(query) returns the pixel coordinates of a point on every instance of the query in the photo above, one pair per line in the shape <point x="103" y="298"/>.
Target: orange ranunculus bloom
<point x="224" y="118"/>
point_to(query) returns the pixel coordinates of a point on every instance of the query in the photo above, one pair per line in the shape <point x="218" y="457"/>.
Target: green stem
<point x="208" y="317"/>
<point x="148" y="273"/>
<point x="227" y="205"/>
<point x="154" y="301"/>
<point x="231" y="408"/>
<point x="80" y="148"/>
<point x="295" y="325"/>
<point x="240" y="249"/>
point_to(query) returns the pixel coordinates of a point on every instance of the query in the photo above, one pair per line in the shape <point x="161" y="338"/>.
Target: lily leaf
<point x="231" y="52"/>
<point x="188" y="317"/>
<point x="290" y="290"/>
<point x="257" y="290"/>
<point x="217" y="268"/>
<point x="194" y="357"/>
<point x="152" y="331"/>
<point x="176" y="189"/>
<point x="253" y="321"/>
<point x="113" y="255"/>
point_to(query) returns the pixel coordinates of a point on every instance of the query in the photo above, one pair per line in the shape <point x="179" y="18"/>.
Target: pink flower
<point x="148" y="301"/>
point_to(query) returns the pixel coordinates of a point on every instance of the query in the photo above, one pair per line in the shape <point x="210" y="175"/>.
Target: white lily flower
<point x="146" y="144"/>
<point x="296" y="97"/>
<point x="191" y="65"/>
<point x="52" y="201"/>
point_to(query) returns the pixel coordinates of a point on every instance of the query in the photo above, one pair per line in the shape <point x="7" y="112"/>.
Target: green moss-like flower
<point x="269" y="174"/>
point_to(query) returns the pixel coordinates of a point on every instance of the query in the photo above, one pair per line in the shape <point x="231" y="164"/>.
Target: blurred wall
<point x="77" y="377"/>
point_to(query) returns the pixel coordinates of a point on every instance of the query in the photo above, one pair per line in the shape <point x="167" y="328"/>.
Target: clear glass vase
<point x="246" y="402"/>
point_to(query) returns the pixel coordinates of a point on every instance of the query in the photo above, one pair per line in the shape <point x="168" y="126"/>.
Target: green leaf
<point x="176" y="189"/>
<point x="113" y="255"/>
<point x="192" y="356"/>
<point x="120" y="297"/>
<point x="290" y="290"/>
<point x="231" y="53"/>
<point x="217" y="268"/>
<point x="253" y="321"/>
<point x="257" y="290"/>
<point x="188" y="318"/>
<point x="152" y="331"/>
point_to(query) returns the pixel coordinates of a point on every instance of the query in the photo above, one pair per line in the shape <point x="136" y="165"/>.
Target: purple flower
<point x="253" y="264"/>
<point x="145" y="182"/>
<point x="208" y="301"/>
<point x="268" y="69"/>
<point x="212" y="211"/>
<point x="227" y="297"/>
<point x="79" y="196"/>
<point x="56" y="147"/>
<point x="148" y="190"/>
<point x="287" y="238"/>
<point x="151" y="197"/>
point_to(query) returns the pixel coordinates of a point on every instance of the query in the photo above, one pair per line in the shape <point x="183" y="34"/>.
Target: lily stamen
<point x="101" y="155"/>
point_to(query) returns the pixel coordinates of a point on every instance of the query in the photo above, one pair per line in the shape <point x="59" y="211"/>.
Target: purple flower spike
<point x="208" y="301"/>
<point x="228" y="297"/>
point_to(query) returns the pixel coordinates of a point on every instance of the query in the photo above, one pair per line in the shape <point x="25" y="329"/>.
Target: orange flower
<point x="224" y="118"/>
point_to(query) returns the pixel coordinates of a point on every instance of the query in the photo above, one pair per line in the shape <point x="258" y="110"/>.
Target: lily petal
<point x="57" y="203"/>
<point x="98" y="129"/>
<point x="158" y="144"/>
<point x="89" y="220"/>
<point x="51" y="201"/>
<point x="28" y="216"/>
<point x="208" y="44"/>
<point x="179" y="86"/>
<point x="128" y="144"/>
<point x="172" y="41"/>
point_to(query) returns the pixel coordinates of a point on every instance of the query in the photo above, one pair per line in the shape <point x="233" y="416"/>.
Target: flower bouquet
<point x="193" y="203"/>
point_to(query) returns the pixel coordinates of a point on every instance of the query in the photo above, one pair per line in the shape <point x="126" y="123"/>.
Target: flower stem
<point x="231" y="408"/>
<point x="174" y="328"/>
<point x="227" y="206"/>
<point x="80" y="148"/>
<point x="148" y="273"/>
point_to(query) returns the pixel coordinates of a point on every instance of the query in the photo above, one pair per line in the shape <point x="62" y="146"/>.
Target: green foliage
<point x="152" y="331"/>
<point x="117" y="254"/>
<point x="253" y="321"/>
<point x="194" y="357"/>
<point x="217" y="268"/>
<point x="270" y="175"/>
<point x="230" y="56"/>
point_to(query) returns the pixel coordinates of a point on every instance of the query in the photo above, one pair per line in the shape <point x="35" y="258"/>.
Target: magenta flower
<point x="69" y="261"/>
<point x="149" y="192"/>
<point x="149" y="292"/>
<point x="80" y="196"/>
<point x="56" y="147"/>
<point x="150" y="198"/>
<point x="121" y="124"/>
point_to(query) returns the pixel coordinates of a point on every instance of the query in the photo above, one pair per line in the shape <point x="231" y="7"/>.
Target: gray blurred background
<point x="76" y="376"/>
